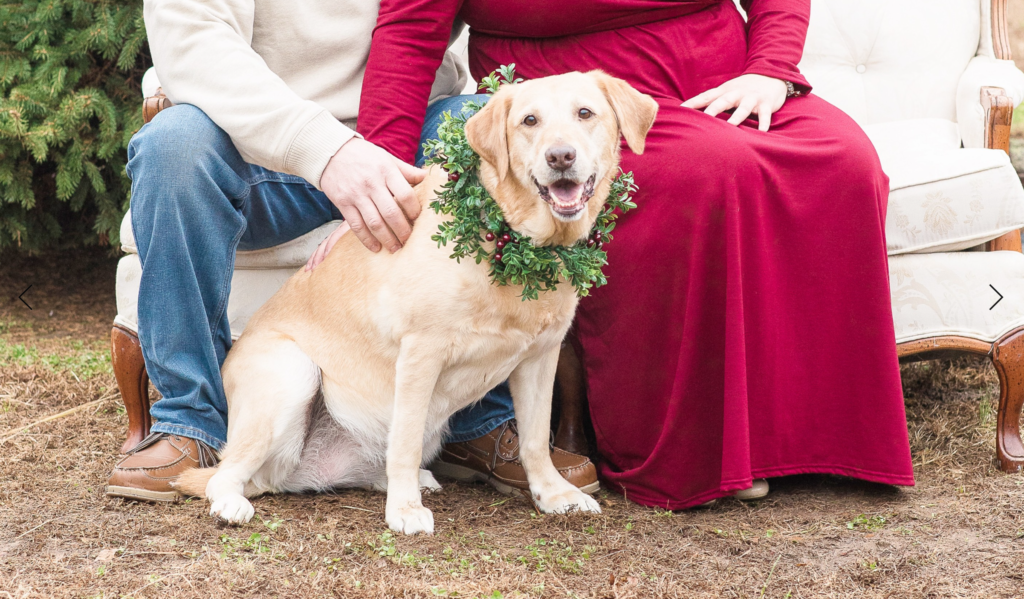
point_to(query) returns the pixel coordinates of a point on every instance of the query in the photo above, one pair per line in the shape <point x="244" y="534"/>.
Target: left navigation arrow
<point x="22" y="298"/>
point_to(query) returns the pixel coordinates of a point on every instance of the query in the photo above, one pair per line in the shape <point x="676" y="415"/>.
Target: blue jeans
<point x="194" y="203"/>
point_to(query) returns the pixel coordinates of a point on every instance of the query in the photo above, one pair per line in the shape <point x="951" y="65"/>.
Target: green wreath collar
<point x="476" y="217"/>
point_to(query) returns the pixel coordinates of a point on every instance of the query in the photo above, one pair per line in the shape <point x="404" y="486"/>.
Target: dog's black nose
<point x="560" y="158"/>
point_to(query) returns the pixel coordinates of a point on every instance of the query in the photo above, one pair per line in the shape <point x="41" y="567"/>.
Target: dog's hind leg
<point x="270" y="384"/>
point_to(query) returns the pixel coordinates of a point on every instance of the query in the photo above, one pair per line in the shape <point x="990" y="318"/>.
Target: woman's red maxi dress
<point x="746" y="330"/>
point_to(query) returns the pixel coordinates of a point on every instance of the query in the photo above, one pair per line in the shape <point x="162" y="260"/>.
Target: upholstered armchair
<point x="931" y="83"/>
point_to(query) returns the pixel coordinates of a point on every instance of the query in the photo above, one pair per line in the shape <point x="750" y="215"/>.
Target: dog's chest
<point x="485" y="352"/>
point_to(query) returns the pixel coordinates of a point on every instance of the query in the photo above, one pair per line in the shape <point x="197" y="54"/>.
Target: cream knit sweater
<point x="281" y="77"/>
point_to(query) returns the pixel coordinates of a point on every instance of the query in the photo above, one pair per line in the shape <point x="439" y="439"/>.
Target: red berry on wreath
<point x="500" y="244"/>
<point x="489" y="236"/>
<point x="497" y="257"/>
<point x="453" y="176"/>
<point x="506" y="237"/>
<point x="600" y="244"/>
<point x="597" y="235"/>
<point x="590" y="243"/>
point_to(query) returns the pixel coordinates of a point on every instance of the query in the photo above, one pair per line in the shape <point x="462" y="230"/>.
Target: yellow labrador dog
<point x="348" y="375"/>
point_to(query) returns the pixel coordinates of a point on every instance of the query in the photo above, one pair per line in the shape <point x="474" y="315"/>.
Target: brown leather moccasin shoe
<point x="148" y="470"/>
<point x="494" y="459"/>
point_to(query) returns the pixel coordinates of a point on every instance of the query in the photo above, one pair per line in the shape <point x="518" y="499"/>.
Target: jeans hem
<point x="190" y="432"/>
<point x="479" y="431"/>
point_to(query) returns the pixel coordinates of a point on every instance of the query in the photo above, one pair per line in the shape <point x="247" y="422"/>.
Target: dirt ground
<point x="958" y="533"/>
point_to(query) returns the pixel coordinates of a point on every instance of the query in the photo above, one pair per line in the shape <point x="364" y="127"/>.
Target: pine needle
<point x="63" y="414"/>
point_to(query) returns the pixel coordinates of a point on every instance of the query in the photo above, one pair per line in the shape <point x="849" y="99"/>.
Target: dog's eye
<point x="585" y="113"/>
<point x="530" y="120"/>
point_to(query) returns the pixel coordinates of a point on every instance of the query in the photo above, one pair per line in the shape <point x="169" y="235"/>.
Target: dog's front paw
<point x="428" y="483"/>
<point x="410" y="519"/>
<point x="565" y="501"/>
<point x="235" y="509"/>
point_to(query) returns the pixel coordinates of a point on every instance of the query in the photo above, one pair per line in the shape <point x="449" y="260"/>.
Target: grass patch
<point x="545" y="555"/>
<point x="80" y="361"/>
<point x="869" y="523"/>
<point x="1018" y="116"/>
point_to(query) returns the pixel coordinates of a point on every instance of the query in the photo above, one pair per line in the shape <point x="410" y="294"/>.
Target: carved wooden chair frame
<point x="1007" y="353"/>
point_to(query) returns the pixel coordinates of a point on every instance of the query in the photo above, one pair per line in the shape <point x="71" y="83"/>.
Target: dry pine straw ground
<point x="958" y="533"/>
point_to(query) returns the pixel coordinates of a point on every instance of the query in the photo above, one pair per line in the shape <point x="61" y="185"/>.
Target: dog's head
<point x="549" y="149"/>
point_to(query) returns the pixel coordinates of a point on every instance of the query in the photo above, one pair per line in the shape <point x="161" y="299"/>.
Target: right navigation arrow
<point x="997" y="293"/>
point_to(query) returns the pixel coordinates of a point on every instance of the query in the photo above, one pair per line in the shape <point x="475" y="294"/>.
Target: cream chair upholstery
<point x="931" y="84"/>
<point x="258" y="275"/>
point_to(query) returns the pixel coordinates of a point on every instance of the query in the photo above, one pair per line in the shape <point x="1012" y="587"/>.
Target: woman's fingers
<point x="317" y="257"/>
<point x="742" y="111"/>
<point x="701" y="100"/>
<point x="764" y="116"/>
<point x="333" y="238"/>
<point x="723" y="103"/>
<point x="326" y="246"/>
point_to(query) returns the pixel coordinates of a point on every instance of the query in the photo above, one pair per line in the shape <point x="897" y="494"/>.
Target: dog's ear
<point x="486" y="130"/>
<point x="634" y="111"/>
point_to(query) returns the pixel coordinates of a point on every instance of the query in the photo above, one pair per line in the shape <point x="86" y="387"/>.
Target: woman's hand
<point x="326" y="246"/>
<point x="748" y="94"/>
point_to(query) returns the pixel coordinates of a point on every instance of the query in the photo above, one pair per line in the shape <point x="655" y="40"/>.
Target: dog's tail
<point x="193" y="481"/>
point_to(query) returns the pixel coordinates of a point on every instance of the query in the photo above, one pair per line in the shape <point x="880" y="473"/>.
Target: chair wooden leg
<point x="571" y="383"/>
<point x="132" y="380"/>
<point x="1008" y="358"/>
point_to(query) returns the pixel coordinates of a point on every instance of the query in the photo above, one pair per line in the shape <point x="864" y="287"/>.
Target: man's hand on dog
<point x="373" y="191"/>
<point x="744" y="95"/>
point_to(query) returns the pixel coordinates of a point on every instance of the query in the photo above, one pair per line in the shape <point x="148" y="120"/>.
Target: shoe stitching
<point x="159" y="467"/>
<point x="573" y="470"/>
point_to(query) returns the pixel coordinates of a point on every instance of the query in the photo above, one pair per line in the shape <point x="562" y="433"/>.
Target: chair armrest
<point x="998" y="109"/>
<point x="154" y="104"/>
<point x="154" y="99"/>
<point x="150" y="82"/>
<point x="971" y="112"/>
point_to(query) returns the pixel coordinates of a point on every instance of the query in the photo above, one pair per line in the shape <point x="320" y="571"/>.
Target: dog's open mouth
<point x="567" y="198"/>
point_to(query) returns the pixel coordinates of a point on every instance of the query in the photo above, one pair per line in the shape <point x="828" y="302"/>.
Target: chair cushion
<point x="250" y="289"/>
<point x="289" y="255"/>
<point x="887" y="60"/>
<point x="942" y="197"/>
<point x="950" y="294"/>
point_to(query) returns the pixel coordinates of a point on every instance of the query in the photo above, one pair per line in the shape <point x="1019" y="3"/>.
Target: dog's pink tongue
<point x="565" y="192"/>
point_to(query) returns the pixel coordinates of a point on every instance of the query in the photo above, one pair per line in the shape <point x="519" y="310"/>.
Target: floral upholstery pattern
<point x="957" y="294"/>
<point x="943" y="198"/>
